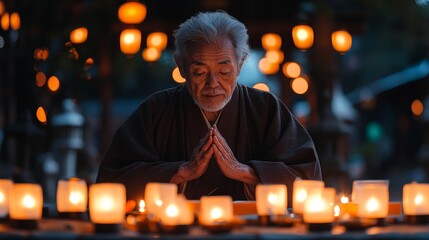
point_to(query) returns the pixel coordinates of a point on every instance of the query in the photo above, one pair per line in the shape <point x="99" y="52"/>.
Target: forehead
<point x="201" y="51"/>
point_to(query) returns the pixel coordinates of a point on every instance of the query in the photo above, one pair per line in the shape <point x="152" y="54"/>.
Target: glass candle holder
<point x="107" y="203"/>
<point x="415" y="200"/>
<point x="5" y="191"/>
<point x="372" y="197"/>
<point x="72" y="198"/>
<point x="155" y="195"/>
<point x="216" y="213"/>
<point x="300" y="193"/>
<point x="319" y="209"/>
<point x="176" y="215"/>
<point x="271" y="199"/>
<point x="26" y="205"/>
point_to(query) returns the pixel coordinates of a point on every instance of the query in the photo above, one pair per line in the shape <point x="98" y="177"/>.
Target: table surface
<point x="74" y="229"/>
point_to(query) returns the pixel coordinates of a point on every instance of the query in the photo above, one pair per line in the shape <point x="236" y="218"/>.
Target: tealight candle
<point x="156" y="194"/>
<point x="271" y="199"/>
<point x="26" y="204"/>
<point x="319" y="209"/>
<point x="107" y="203"/>
<point x="415" y="198"/>
<point x="300" y="193"/>
<point x="216" y="212"/>
<point x="372" y="197"/>
<point x="176" y="215"/>
<point x="72" y="197"/>
<point x="5" y="190"/>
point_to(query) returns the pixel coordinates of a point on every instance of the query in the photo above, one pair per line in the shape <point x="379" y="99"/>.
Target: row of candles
<point x="316" y="204"/>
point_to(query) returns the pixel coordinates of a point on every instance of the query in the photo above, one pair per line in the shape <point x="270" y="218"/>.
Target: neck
<point x="211" y="116"/>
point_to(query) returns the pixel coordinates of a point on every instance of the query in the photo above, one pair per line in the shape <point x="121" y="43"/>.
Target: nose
<point x="212" y="80"/>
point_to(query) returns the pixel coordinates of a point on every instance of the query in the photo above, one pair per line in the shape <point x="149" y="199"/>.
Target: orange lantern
<point x="372" y="197"/>
<point x="177" y="212"/>
<point x="301" y="189"/>
<point x="107" y="203"/>
<point x="156" y="195"/>
<point x="26" y="201"/>
<point x="132" y="12"/>
<point x="341" y="41"/>
<point x="303" y="36"/>
<point x="130" y="41"/>
<point x="415" y="200"/>
<point x="79" y="35"/>
<point x="271" y="199"/>
<point x="72" y="196"/>
<point x="5" y="191"/>
<point x="216" y="210"/>
<point x="157" y="40"/>
<point x="271" y="41"/>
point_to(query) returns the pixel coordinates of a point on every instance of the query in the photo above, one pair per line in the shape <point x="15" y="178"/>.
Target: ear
<point x="179" y="64"/>
<point x="240" y="64"/>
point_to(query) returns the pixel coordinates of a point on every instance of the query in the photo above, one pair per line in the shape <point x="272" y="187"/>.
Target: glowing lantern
<point x="303" y="36"/>
<point x="15" y="21"/>
<point x="372" y="197"/>
<point x="5" y="21"/>
<point x="41" y="115"/>
<point x="151" y="54"/>
<point x="415" y="199"/>
<point x="291" y="69"/>
<point x="262" y="86"/>
<point x="156" y="195"/>
<point x="79" y="35"/>
<point x="299" y="85"/>
<point x="177" y="212"/>
<point x="319" y="206"/>
<point x="130" y="41"/>
<point x="132" y="12"/>
<point x="72" y="195"/>
<point x="271" y="199"/>
<point x="271" y="41"/>
<point x="301" y="189"/>
<point x="177" y="77"/>
<point x="26" y="201"/>
<point x="157" y="40"/>
<point x="341" y="41"/>
<point x="107" y="203"/>
<point x="216" y="210"/>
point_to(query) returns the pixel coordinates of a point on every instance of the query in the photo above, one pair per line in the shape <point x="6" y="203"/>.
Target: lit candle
<point x="26" y="204"/>
<point x="372" y="197"/>
<point x="271" y="199"/>
<point x="215" y="210"/>
<point x="107" y="203"/>
<point x="5" y="190"/>
<point x="300" y="192"/>
<point x="176" y="215"/>
<point x="319" y="206"/>
<point x="72" y="196"/>
<point x="415" y="198"/>
<point x="156" y="194"/>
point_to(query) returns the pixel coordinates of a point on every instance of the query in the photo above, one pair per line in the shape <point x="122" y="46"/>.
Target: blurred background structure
<point x="69" y="76"/>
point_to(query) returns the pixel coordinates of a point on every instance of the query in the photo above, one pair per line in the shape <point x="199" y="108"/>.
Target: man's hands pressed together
<point x="214" y="145"/>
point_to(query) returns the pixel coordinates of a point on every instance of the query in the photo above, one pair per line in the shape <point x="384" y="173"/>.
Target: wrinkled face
<point x="211" y="71"/>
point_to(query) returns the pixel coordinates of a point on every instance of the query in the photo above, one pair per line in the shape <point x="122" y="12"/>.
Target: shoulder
<point x="163" y="97"/>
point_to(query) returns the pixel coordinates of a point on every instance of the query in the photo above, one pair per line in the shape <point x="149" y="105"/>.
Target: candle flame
<point x="418" y="199"/>
<point x="142" y="206"/>
<point x="216" y="213"/>
<point x="172" y="211"/>
<point x="158" y="202"/>
<point x="273" y="198"/>
<point x="372" y="205"/>
<point x="28" y="201"/>
<point x="344" y="199"/>
<point x="106" y="203"/>
<point x="337" y="211"/>
<point x="75" y="197"/>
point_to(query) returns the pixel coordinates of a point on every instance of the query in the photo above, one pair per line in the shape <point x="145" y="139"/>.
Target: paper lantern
<point x="107" y="203"/>
<point x="372" y="197"/>
<point x="341" y="41"/>
<point x="156" y="194"/>
<point x="26" y="201"/>
<point x="303" y="36"/>
<point x="216" y="210"/>
<point x="72" y="195"/>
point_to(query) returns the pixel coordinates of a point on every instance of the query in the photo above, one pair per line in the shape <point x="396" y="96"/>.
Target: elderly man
<point x="211" y="136"/>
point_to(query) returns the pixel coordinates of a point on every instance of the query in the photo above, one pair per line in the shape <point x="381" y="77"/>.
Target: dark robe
<point x="166" y="127"/>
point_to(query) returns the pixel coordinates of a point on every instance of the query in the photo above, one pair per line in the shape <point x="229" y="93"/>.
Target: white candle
<point x="319" y="206"/>
<point x="72" y="195"/>
<point x="372" y="197"/>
